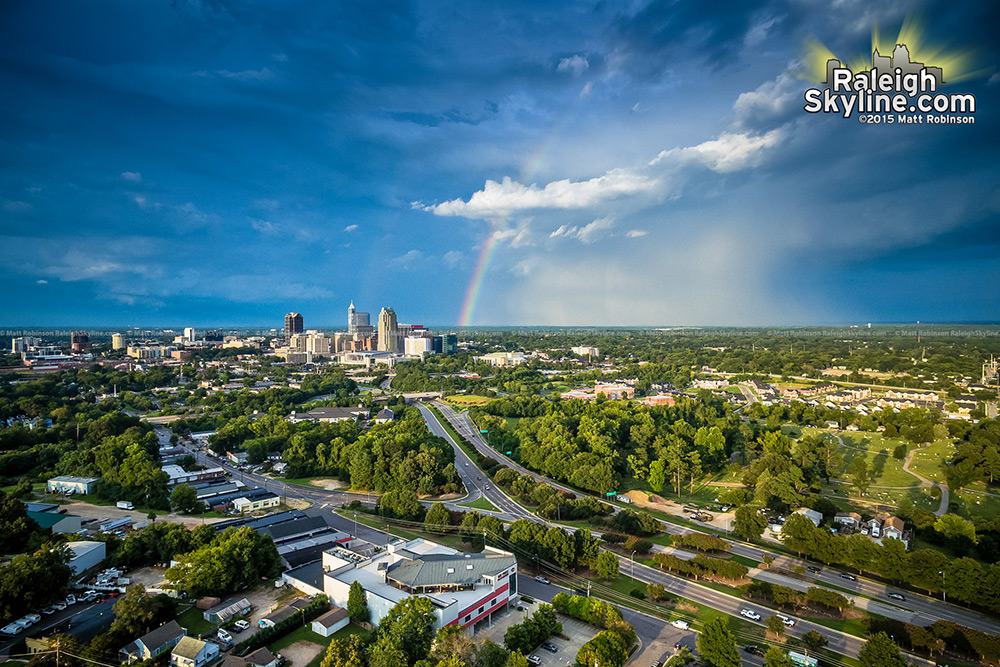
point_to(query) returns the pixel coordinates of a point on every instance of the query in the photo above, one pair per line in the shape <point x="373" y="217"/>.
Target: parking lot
<point x="577" y="632"/>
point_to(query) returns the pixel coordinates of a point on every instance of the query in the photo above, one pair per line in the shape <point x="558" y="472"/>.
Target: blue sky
<point x="628" y="163"/>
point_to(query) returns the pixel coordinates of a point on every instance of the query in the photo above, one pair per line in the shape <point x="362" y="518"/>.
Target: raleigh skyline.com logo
<point x="895" y="90"/>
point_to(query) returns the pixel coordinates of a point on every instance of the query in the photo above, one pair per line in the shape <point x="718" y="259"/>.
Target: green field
<point x="927" y="460"/>
<point x="970" y="504"/>
<point x="193" y="621"/>
<point x="884" y="469"/>
<point x="480" y="504"/>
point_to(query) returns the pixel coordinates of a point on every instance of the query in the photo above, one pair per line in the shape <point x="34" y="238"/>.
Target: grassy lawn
<point x="36" y="487"/>
<point x="970" y="505"/>
<point x="920" y="497"/>
<point x="480" y="504"/>
<point x="209" y="515"/>
<point x="463" y="400"/>
<point x="299" y="635"/>
<point x="885" y="470"/>
<point x="307" y="481"/>
<point x="195" y="623"/>
<point x="927" y="460"/>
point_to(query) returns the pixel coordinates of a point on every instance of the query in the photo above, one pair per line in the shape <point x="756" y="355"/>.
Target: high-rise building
<point x="79" y="341"/>
<point x="388" y="331"/>
<point x="293" y="325"/>
<point x="117" y="341"/>
<point x="23" y="344"/>
<point x="189" y="334"/>
<point x="358" y="322"/>
<point x="449" y="343"/>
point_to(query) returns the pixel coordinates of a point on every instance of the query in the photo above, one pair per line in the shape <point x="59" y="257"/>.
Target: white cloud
<point x="769" y="101"/>
<point x="587" y="234"/>
<point x="408" y="258"/>
<point x="41" y="282"/>
<point x="732" y="151"/>
<point x="350" y="228"/>
<point x="453" y="258"/>
<point x="132" y="176"/>
<point x="264" y="226"/>
<point x="497" y="200"/>
<point x="994" y="79"/>
<point x="246" y="75"/>
<point x="576" y="65"/>
<point x="587" y="87"/>
<point x="636" y="233"/>
<point x="16" y="206"/>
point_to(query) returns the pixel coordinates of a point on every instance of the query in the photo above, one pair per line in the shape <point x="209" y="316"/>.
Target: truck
<point x="125" y="505"/>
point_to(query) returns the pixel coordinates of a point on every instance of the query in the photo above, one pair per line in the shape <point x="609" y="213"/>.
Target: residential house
<point x="848" y="519"/>
<point x="191" y="652"/>
<point x="227" y="610"/>
<point x="153" y="643"/>
<point x="261" y="658"/>
<point x="280" y="614"/>
<point x="812" y="515"/>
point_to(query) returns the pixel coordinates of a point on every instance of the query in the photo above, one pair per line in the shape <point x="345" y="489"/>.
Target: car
<point x="693" y="517"/>
<point x="487" y="487"/>
<point x="550" y="647"/>
<point x="12" y="629"/>
<point x="224" y="637"/>
<point x="542" y="580"/>
<point x="466" y="464"/>
<point x="479" y="478"/>
<point x="753" y="649"/>
<point x="897" y="596"/>
<point x="751" y="614"/>
<point x="725" y="508"/>
<point x="680" y="624"/>
<point x="814" y="569"/>
<point x="70" y="599"/>
<point x="787" y="621"/>
<point x="534" y="659"/>
<point x="241" y="625"/>
<point x="849" y="577"/>
<point x="48" y="611"/>
<point x="658" y="663"/>
<point x="59" y="605"/>
<point x="281" y="660"/>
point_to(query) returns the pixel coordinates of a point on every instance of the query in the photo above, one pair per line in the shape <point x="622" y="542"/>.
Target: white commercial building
<point x="85" y="555"/>
<point x="69" y="484"/>
<point x="418" y="346"/>
<point x="464" y="588"/>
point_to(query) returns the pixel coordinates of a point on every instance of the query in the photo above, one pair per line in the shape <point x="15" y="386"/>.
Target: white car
<point x="787" y="621"/>
<point x="749" y="613"/>
<point x="12" y="629"/>
<point x="542" y="580"/>
<point x="241" y="625"/>
<point x="70" y="599"/>
<point x="681" y="625"/>
<point x="534" y="659"/>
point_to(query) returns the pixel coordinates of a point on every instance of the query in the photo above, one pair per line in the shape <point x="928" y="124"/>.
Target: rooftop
<point x="188" y="647"/>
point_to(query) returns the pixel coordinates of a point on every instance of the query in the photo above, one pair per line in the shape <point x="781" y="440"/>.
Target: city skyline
<point x="643" y="165"/>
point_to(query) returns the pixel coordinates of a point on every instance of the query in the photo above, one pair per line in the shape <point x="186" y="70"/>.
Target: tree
<point x="953" y="527"/>
<point x="437" y="518"/>
<point x="775" y="625"/>
<point x="924" y="569"/>
<point x="401" y="504"/>
<point x="357" y="604"/>
<point x="657" y="476"/>
<point x="717" y="645"/>
<point x="798" y="533"/>
<point x="775" y="657"/>
<point x="234" y="559"/>
<point x="749" y="523"/>
<point x="408" y="625"/>
<point x="137" y="613"/>
<point x="452" y="641"/>
<point x="347" y="652"/>
<point x="859" y="474"/>
<point x="880" y="651"/>
<point x="656" y="592"/>
<point x="607" y="649"/>
<point x="184" y="499"/>
<point x="607" y="565"/>
<point x="814" y="640"/>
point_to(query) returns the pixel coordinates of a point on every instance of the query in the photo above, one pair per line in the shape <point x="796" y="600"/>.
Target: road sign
<point x="484" y="431"/>
<point x="611" y="493"/>
<point x="509" y="453"/>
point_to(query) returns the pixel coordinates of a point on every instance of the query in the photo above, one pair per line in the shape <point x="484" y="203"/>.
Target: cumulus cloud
<point x="770" y="101"/>
<point x="499" y="199"/>
<point x="453" y="258"/>
<point x="41" y="282"/>
<point x="264" y="226"/>
<point x="132" y="176"/>
<point x="350" y="228"/>
<point x="587" y="234"/>
<point x="636" y="233"/>
<point x="732" y="151"/>
<point x="576" y="65"/>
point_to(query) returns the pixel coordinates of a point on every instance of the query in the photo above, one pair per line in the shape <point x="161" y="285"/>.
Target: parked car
<point x="59" y="605"/>
<point x="897" y="596"/>
<point x="225" y="637"/>
<point x="681" y="625"/>
<point x="48" y="611"/>
<point x="542" y="580"/>
<point x="849" y="577"/>
<point x="751" y="614"/>
<point x="12" y="629"/>
<point x="241" y="625"/>
<point x="550" y="647"/>
<point x="534" y="659"/>
<point x="70" y="599"/>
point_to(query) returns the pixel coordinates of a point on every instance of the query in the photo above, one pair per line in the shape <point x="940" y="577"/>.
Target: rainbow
<point x="475" y="286"/>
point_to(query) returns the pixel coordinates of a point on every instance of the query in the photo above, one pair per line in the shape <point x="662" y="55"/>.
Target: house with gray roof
<point x="153" y="643"/>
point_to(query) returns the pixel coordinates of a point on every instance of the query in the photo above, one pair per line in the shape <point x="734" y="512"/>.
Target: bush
<point x="638" y="544"/>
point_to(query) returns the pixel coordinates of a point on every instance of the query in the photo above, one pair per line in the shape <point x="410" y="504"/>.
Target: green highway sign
<point x="611" y="493"/>
<point x="484" y="431"/>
